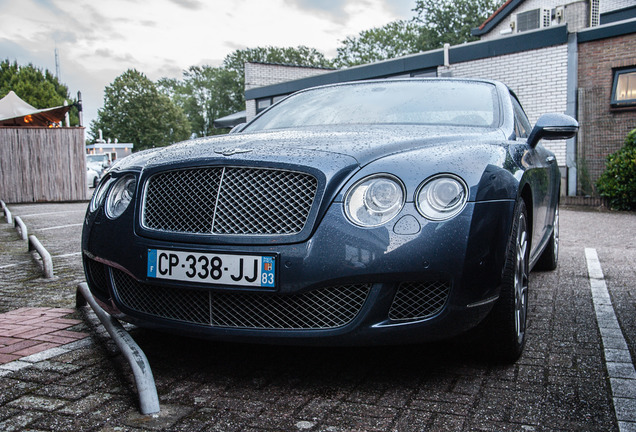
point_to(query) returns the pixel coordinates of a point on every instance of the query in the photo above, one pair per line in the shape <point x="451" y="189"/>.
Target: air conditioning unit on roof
<point x="532" y="19"/>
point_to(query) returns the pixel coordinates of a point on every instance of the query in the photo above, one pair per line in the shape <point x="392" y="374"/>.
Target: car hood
<point x="319" y="147"/>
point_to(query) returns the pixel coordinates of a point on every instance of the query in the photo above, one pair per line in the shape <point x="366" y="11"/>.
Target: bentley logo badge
<point x="232" y="151"/>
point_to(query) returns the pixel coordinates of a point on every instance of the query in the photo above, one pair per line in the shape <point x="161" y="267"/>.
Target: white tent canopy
<point x="16" y="112"/>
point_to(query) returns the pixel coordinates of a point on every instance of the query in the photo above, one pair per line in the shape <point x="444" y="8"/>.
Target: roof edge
<point x="498" y="16"/>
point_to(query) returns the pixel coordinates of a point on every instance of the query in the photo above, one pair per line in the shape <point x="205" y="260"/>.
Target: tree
<point x="36" y="87"/>
<point x="451" y="21"/>
<point x="135" y="111"/>
<point x="205" y="94"/>
<point x="395" y="39"/>
<point x="298" y="56"/>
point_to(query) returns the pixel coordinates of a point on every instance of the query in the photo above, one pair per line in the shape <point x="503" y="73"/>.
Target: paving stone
<point x="38" y="403"/>
<point x="561" y="383"/>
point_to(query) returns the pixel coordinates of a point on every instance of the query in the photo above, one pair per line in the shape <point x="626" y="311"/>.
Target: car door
<point x="538" y="162"/>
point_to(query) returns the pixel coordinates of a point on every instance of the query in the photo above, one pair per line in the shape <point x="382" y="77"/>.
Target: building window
<point x="263" y="103"/>
<point x="624" y="87"/>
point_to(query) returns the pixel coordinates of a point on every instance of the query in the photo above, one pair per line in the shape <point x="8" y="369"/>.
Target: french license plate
<point x="223" y="269"/>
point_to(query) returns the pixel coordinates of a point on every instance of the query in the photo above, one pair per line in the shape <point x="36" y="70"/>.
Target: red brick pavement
<point x="27" y="331"/>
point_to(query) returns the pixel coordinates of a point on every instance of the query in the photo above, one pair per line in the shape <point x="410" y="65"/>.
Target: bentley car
<point x="373" y="212"/>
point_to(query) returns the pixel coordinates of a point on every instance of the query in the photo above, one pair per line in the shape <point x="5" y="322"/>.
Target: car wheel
<point x="507" y="321"/>
<point x="95" y="181"/>
<point x="550" y="256"/>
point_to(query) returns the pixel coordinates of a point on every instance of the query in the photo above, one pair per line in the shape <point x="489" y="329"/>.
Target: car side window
<point x="522" y="124"/>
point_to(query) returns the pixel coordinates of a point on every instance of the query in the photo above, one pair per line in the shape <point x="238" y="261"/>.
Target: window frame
<point x="614" y="102"/>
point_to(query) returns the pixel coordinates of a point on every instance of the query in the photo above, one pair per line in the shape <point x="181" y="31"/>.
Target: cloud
<point x="189" y="4"/>
<point x="108" y="55"/>
<point x="334" y="10"/>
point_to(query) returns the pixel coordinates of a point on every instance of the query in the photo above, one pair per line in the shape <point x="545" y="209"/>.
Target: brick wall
<point x="611" y="5"/>
<point x="263" y="74"/>
<point x="603" y="129"/>
<point x="538" y="78"/>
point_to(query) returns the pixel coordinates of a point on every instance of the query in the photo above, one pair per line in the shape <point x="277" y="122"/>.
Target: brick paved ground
<point x="28" y="331"/>
<point x="559" y="384"/>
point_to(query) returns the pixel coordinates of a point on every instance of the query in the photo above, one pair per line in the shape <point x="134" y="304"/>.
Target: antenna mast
<point x="57" y="65"/>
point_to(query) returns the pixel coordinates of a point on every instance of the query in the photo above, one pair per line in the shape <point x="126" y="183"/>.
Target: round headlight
<point x="120" y="196"/>
<point x="100" y="192"/>
<point x="374" y="200"/>
<point x="442" y="197"/>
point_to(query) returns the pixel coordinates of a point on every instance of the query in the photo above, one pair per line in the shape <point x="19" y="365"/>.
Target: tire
<point x="95" y="182"/>
<point x="506" y="324"/>
<point x="550" y="256"/>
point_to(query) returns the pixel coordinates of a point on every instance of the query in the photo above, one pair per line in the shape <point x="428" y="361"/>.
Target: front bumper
<point x="408" y="281"/>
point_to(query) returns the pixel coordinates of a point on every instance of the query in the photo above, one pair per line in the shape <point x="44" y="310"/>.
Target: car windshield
<point x="425" y="102"/>
<point x="96" y="158"/>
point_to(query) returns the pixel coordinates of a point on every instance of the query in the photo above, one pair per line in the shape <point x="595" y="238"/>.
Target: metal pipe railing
<point x="145" y="381"/>
<point x="47" y="262"/>
<point x="17" y="222"/>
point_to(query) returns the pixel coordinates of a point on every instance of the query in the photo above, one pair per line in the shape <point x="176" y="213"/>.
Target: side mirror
<point x="553" y="127"/>
<point x="239" y="127"/>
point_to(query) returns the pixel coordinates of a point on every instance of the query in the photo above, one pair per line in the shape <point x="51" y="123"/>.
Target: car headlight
<point x="374" y="200"/>
<point x="100" y="192"/>
<point x="442" y="197"/>
<point x="120" y="196"/>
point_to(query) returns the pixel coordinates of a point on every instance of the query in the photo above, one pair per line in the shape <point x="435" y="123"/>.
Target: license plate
<point x="222" y="269"/>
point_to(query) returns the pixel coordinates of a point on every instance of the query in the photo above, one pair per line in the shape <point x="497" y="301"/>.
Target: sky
<point x="98" y="40"/>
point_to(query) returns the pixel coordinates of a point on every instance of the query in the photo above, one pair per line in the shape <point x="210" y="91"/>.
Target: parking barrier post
<point x="145" y="381"/>
<point x="20" y="226"/>
<point x="7" y="213"/>
<point x="47" y="262"/>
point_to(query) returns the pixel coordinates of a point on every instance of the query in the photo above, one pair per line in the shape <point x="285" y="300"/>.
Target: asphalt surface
<point x="566" y="380"/>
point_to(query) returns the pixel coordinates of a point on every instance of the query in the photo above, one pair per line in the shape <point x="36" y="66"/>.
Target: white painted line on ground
<point x="60" y="226"/>
<point x="15" y="264"/>
<point x="52" y="213"/>
<point x="27" y="361"/>
<point x="618" y="360"/>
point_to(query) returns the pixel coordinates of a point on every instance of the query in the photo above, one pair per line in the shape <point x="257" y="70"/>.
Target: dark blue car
<point x="378" y="212"/>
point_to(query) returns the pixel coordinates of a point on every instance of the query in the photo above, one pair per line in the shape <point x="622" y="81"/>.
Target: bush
<point x="618" y="182"/>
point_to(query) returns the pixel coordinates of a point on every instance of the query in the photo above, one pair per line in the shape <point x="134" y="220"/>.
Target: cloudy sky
<point x="97" y="40"/>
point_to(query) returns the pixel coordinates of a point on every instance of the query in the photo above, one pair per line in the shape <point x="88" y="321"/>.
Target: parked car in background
<point x="99" y="162"/>
<point x="379" y="212"/>
<point x="92" y="177"/>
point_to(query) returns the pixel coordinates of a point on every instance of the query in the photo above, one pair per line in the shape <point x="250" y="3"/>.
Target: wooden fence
<point x="42" y="164"/>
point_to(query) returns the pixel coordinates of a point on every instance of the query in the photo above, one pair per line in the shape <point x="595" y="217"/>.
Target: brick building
<point x="556" y="56"/>
<point x="604" y="123"/>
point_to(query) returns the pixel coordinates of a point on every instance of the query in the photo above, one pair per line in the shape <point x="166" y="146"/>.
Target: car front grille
<point x="419" y="300"/>
<point x="324" y="308"/>
<point x="229" y="200"/>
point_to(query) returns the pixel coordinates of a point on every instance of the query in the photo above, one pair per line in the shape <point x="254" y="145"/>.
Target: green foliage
<point x="298" y="56"/>
<point x="36" y="87"/>
<point x="205" y="94"/>
<point x="395" y="39"/>
<point x="135" y="111"/>
<point x="618" y="181"/>
<point x="436" y="22"/>
<point x="451" y="21"/>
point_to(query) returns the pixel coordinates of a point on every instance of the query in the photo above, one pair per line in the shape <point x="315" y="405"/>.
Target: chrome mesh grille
<point x="320" y="309"/>
<point x="229" y="200"/>
<point x="418" y="300"/>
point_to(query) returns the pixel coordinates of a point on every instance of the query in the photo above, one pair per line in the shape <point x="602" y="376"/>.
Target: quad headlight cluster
<point x="377" y="199"/>
<point x="117" y="193"/>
